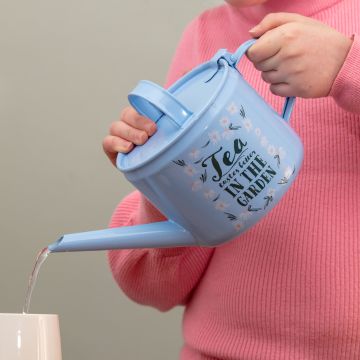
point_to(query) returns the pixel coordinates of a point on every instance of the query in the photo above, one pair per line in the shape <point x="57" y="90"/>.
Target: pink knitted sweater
<point x="289" y="288"/>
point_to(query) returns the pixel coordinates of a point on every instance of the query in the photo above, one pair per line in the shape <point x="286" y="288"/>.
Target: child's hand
<point x="297" y="55"/>
<point x="132" y="129"/>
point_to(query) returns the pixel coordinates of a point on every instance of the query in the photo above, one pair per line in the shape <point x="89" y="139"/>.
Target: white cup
<point x="29" y="337"/>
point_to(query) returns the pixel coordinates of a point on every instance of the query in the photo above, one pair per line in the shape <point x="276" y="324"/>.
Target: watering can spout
<point x="155" y="235"/>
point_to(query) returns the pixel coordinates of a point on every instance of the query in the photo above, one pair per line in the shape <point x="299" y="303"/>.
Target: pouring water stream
<point x="40" y="259"/>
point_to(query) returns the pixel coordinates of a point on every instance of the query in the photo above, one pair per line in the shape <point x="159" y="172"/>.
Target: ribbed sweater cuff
<point x="346" y="87"/>
<point x="148" y="213"/>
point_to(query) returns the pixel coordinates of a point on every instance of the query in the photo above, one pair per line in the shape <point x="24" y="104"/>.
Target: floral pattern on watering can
<point x="249" y="177"/>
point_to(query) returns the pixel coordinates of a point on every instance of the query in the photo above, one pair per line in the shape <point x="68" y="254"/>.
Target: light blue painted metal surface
<point x="220" y="160"/>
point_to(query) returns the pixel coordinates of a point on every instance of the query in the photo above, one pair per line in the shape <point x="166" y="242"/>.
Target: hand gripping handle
<point x="236" y="57"/>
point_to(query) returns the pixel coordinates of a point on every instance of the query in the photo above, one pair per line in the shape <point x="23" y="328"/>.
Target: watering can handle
<point x="236" y="57"/>
<point x="157" y="102"/>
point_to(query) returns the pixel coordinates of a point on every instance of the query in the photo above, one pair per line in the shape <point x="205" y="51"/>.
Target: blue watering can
<point x="220" y="160"/>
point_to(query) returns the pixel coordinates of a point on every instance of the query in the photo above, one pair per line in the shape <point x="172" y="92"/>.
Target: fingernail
<point x="124" y="148"/>
<point x="151" y="129"/>
<point x="129" y="147"/>
<point x="254" y="29"/>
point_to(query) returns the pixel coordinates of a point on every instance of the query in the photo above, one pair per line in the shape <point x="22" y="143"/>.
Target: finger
<point x="122" y="130"/>
<point x="266" y="47"/>
<point x="269" y="64"/>
<point x="131" y="117"/>
<point x="274" y="20"/>
<point x="282" y="89"/>
<point x="273" y="77"/>
<point x="112" y="145"/>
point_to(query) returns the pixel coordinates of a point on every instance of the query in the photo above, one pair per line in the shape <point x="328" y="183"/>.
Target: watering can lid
<point x="176" y="109"/>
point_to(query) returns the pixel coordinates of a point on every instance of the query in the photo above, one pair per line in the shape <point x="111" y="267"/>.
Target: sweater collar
<point x="254" y="14"/>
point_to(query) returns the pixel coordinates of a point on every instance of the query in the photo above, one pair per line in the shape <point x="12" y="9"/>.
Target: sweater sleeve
<point x="346" y="87"/>
<point x="162" y="278"/>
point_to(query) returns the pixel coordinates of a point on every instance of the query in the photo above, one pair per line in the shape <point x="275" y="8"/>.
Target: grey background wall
<point x="65" y="70"/>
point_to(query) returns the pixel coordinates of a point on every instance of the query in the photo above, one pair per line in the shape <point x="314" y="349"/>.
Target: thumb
<point x="272" y="21"/>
